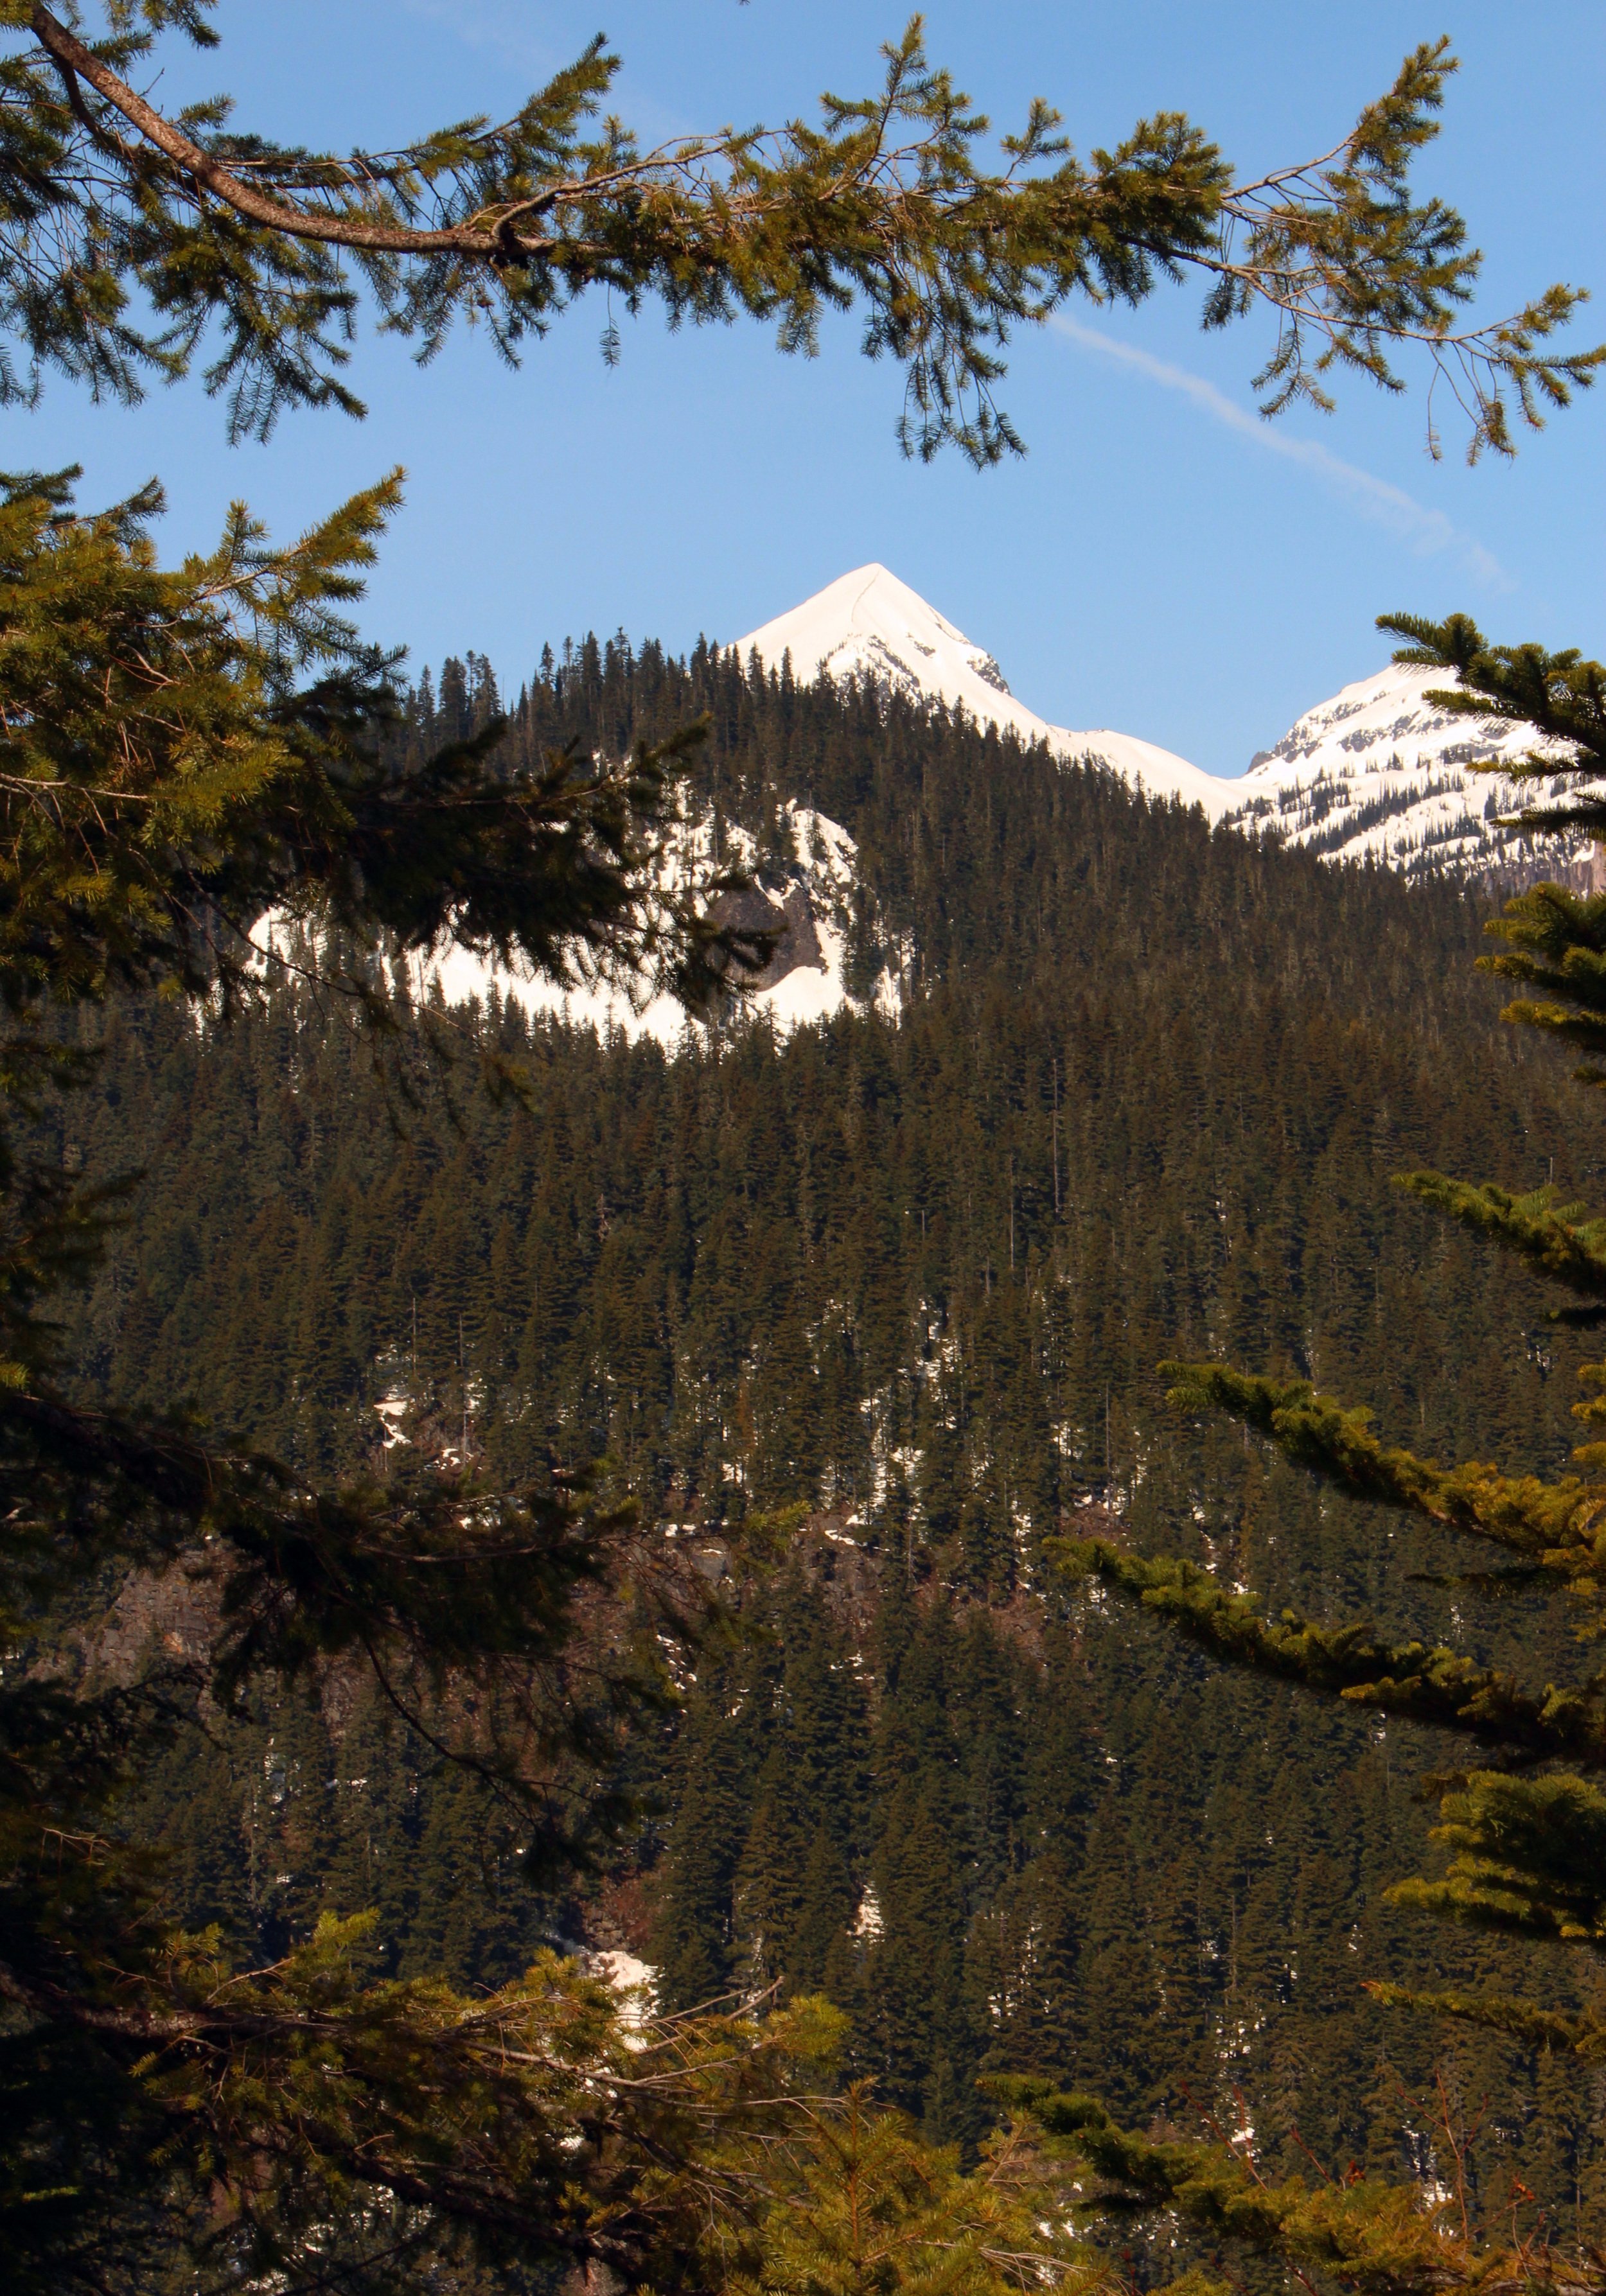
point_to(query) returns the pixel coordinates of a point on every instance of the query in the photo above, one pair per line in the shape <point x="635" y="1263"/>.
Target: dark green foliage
<point x="188" y="751"/>
<point x="1555" y="940"/>
<point x="705" y="1268"/>
<point x="1364" y="2234"/>
<point x="168" y="777"/>
<point x="1435" y="1685"/>
<point x="264" y="1821"/>
<point x="1525" y="1838"/>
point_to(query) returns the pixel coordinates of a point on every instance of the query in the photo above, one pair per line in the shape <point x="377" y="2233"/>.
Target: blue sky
<point x="1162" y="561"/>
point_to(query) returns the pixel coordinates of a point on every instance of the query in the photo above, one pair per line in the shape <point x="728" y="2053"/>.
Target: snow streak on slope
<point x="1381" y="772"/>
<point x="809" y="898"/>
<point x="868" y="624"/>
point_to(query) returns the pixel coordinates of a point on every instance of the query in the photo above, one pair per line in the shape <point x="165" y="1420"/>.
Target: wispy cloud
<point x="1423" y="531"/>
<point x="502" y="32"/>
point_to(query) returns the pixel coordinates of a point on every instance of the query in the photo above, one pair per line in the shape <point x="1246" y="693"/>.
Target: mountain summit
<point x="1377" y="773"/>
<point x="868" y="624"/>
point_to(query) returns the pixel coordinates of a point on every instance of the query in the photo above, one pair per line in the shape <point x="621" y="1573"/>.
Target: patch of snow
<point x="827" y="870"/>
<point x="636" y="1982"/>
<point x="868" y="1922"/>
<point x="392" y="1410"/>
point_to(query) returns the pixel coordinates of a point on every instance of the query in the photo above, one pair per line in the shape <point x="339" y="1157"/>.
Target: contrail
<point x="1423" y="531"/>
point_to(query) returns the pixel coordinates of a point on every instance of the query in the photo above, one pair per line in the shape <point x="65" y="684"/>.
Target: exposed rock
<point x="791" y="916"/>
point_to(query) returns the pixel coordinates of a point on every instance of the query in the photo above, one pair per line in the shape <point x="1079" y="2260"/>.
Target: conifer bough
<point x="887" y="203"/>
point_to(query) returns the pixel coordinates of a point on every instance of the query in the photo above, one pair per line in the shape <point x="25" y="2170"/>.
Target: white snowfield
<point x="826" y="866"/>
<point x="1377" y="771"/>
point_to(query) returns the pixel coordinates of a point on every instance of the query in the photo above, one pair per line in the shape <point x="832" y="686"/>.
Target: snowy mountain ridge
<point x="1380" y="770"/>
<point x="868" y="624"/>
<point x="1376" y="772"/>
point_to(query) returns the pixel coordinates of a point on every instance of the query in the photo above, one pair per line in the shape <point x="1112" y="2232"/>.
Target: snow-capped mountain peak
<point x="868" y="624"/>
<point x="1386" y="723"/>
<point x="1380" y="771"/>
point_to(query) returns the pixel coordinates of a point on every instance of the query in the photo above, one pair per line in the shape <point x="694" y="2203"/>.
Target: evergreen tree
<point x="695" y="1946"/>
<point x="871" y="2210"/>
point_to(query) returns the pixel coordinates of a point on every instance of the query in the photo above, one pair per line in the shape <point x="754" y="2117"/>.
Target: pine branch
<point x="167" y="779"/>
<point x="1552" y="1241"/>
<point x="1552" y="1523"/>
<point x="1528" y="1858"/>
<point x="1583" y="2036"/>
<point x="886" y="204"/>
<point x="1384" y="2239"/>
<point x="534" y="2111"/>
<point x="1562" y="696"/>
<point x="1436" y="1686"/>
<point x="1555" y="939"/>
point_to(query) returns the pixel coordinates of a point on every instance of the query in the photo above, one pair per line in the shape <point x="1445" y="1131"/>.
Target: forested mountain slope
<point x="864" y="1316"/>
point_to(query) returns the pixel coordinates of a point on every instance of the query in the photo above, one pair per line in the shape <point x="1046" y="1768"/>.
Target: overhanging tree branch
<point x="887" y="203"/>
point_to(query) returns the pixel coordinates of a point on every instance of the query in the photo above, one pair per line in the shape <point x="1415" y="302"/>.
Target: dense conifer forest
<point x="863" y="1317"/>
